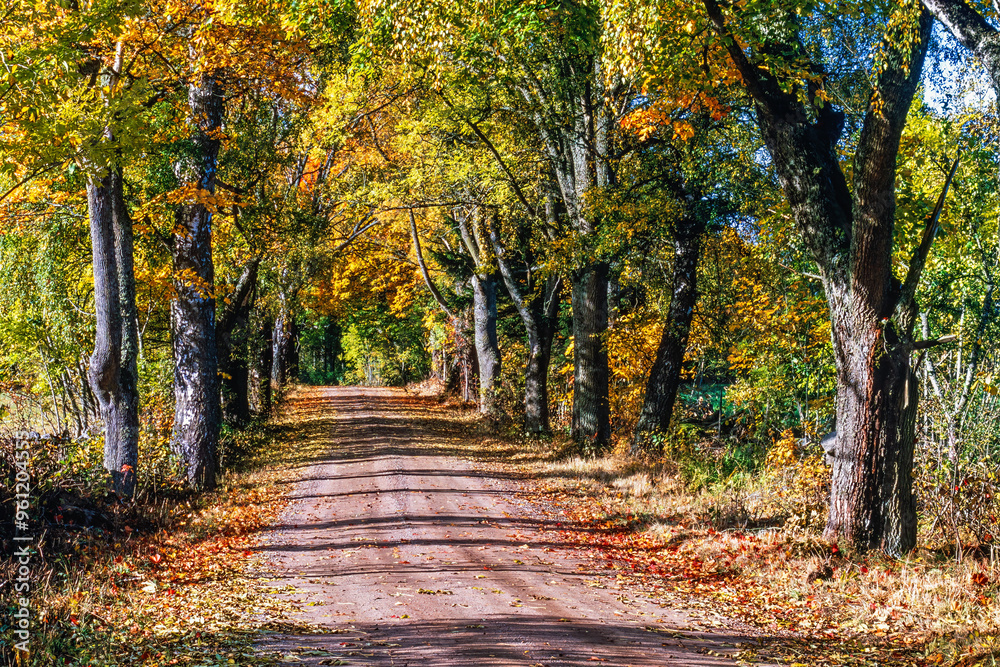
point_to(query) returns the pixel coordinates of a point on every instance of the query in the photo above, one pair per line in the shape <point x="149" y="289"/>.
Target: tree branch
<point x="243" y="286"/>
<point x="933" y="342"/>
<point x="973" y="31"/>
<point x="508" y="275"/>
<point x="423" y="268"/>
<point x="496" y="155"/>
<point x="905" y="306"/>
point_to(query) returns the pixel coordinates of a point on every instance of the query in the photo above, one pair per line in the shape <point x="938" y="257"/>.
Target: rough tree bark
<point x="126" y="460"/>
<point x="591" y="409"/>
<point x="665" y="376"/>
<point x="112" y="374"/>
<point x="849" y="232"/>
<point x="197" y="413"/>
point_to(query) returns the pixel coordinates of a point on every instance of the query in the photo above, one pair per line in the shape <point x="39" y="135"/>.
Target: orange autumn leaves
<point x="671" y="115"/>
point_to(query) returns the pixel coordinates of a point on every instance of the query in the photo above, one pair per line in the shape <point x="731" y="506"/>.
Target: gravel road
<point x="412" y="556"/>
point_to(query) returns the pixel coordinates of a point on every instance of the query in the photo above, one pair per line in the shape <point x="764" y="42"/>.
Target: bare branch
<point x="934" y="342"/>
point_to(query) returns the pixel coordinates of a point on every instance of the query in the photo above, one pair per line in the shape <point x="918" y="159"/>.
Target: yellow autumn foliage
<point x="632" y="343"/>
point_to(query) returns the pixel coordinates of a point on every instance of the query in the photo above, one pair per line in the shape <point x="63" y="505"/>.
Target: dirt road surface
<point x="412" y="556"/>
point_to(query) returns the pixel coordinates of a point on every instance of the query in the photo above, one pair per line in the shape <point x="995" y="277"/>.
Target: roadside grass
<point x="170" y="579"/>
<point x="693" y="528"/>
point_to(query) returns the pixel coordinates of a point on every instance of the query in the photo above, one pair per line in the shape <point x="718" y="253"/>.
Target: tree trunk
<point x="544" y="311"/>
<point x="484" y="290"/>
<point x="281" y="344"/>
<point x="260" y="371"/>
<point x="237" y="409"/>
<point x="197" y="413"/>
<point x="578" y="150"/>
<point x="231" y="340"/>
<point x="536" y="388"/>
<point x="126" y="462"/>
<point x="112" y="373"/>
<point x="872" y="504"/>
<point x="665" y="375"/>
<point x="234" y="372"/>
<point x="849" y="232"/>
<point x="292" y="372"/>
<point x="539" y="314"/>
<point x="591" y="413"/>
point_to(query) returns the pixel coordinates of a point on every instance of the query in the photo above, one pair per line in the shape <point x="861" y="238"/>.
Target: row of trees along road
<point x="584" y="204"/>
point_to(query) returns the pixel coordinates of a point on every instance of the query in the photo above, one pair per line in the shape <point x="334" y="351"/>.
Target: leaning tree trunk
<point x="665" y="375"/>
<point x="484" y="290"/>
<point x="112" y="372"/>
<point x="197" y="413"/>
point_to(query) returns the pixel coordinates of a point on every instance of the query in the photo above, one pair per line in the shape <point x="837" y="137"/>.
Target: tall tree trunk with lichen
<point x="197" y="412"/>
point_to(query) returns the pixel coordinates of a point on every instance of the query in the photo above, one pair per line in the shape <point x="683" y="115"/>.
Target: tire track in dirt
<point x="410" y="556"/>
